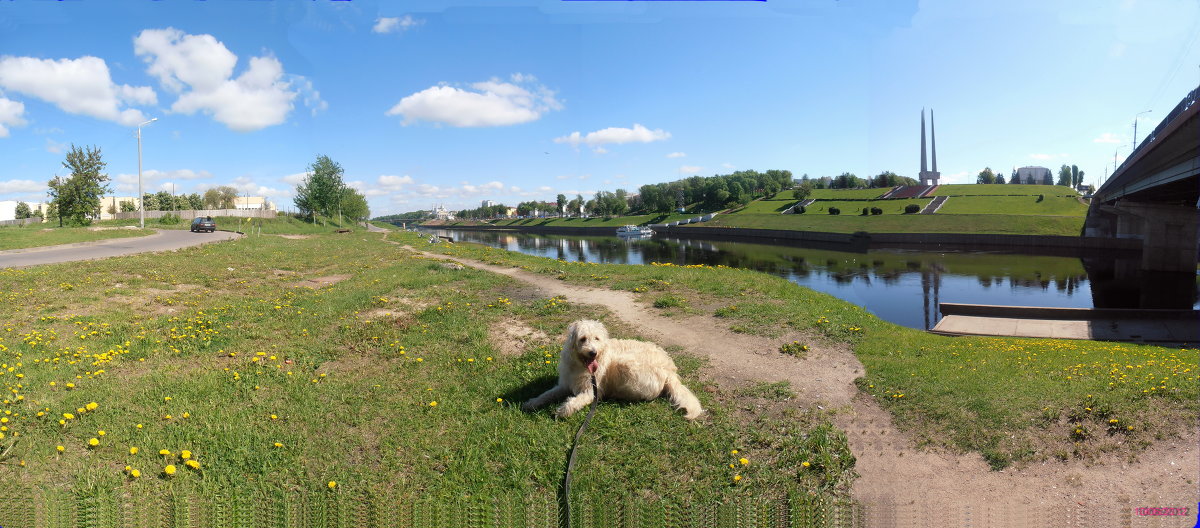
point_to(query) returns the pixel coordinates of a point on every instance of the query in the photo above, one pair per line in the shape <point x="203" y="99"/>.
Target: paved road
<point x="164" y="240"/>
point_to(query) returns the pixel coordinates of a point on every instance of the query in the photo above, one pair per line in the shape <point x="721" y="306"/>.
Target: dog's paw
<point x="563" y="411"/>
<point x="528" y="406"/>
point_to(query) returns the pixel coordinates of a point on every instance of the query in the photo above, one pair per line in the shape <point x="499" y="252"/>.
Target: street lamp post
<point x="141" y="195"/>
<point x="1135" y="118"/>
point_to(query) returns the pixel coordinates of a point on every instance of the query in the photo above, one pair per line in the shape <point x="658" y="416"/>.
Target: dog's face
<point x="585" y="342"/>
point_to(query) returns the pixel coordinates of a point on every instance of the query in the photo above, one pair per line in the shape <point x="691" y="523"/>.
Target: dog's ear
<point x="572" y="332"/>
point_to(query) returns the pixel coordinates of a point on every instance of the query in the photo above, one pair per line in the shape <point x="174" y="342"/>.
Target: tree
<point x="986" y="176"/>
<point x="321" y="188"/>
<point x="220" y="197"/>
<point x="1047" y="179"/>
<point x="149" y="202"/>
<point x="164" y="201"/>
<point x="127" y="206"/>
<point x="562" y="203"/>
<point x="354" y="204"/>
<point x="1064" y="175"/>
<point x="23" y="211"/>
<point x="1000" y="179"/>
<point x="194" y="201"/>
<point x="1076" y="176"/>
<point x="77" y="198"/>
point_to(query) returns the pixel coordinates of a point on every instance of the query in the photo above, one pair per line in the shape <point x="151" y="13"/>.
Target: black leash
<point x="571" y="457"/>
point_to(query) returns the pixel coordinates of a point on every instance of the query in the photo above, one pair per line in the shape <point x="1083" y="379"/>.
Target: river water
<point x="901" y="285"/>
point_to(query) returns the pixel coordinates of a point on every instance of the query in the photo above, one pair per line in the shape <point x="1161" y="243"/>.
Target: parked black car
<point x="203" y="223"/>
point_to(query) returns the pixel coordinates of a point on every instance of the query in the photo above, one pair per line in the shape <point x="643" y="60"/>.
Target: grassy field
<point x="340" y="365"/>
<point x="38" y="235"/>
<point x="1003" y="190"/>
<point x="1011" y="400"/>
<point x="894" y="223"/>
<point x="890" y="207"/>
<point x="846" y="194"/>
<point x="282" y="225"/>
<point x="1014" y="205"/>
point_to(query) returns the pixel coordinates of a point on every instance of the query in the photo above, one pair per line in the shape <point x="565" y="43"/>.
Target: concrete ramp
<point x="1101" y="324"/>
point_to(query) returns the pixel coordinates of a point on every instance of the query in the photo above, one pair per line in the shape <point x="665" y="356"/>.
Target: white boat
<point x="634" y="231"/>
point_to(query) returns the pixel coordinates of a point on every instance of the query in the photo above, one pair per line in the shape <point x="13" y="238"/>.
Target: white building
<point x="1032" y="175"/>
<point x="489" y="203"/>
<point x="253" y="202"/>
<point x="442" y="214"/>
<point x="8" y="209"/>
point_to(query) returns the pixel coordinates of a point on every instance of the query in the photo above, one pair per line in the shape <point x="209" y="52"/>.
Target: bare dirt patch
<point x="899" y="483"/>
<point x="511" y="337"/>
<point x="321" y="282"/>
<point x="295" y="237"/>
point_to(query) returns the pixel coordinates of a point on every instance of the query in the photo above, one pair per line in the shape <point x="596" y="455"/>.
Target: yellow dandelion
<point x="743" y="461"/>
<point x="164" y="452"/>
<point x="92" y="406"/>
<point x="169" y="470"/>
<point x="433" y="404"/>
<point x="737" y="478"/>
<point x="185" y="454"/>
<point x="135" y="473"/>
<point x="277" y="444"/>
<point x="193" y="464"/>
<point x="332" y="484"/>
<point x="94" y="442"/>
<point x="133" y="450"/>
<point x="805" y="464"/>
<point x="60" y="448"/>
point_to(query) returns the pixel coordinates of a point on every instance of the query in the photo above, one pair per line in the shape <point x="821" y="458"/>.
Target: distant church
<point x="928" y="177"/>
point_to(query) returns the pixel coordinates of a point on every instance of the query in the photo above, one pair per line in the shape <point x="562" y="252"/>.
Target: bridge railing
<point x="1184" y="104"/>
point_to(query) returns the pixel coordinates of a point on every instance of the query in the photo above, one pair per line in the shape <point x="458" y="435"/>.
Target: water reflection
<point x="904" y="286"/>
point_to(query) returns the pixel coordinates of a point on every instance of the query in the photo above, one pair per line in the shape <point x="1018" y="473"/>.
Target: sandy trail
<point x="899" y="484"/>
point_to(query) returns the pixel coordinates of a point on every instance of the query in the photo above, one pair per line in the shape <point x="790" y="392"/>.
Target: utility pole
<point x="141" y="195"/>
<point x="1135" y="120"/>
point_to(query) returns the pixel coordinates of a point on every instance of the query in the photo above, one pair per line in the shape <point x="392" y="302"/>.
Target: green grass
<point x="343" y="376"/>
<point x="849" y="222"/>
<point x="281" y="225"/>
<point x="40" y="235"/>
<point x="890" y="207"/>
<point x="1011" y="400"/>
<point x="1003" y="190"/>
<point x="847" y="194"/>
<point x="1014" y="205"/>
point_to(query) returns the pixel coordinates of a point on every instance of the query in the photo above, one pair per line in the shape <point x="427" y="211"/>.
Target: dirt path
<point x="899" y="484"/>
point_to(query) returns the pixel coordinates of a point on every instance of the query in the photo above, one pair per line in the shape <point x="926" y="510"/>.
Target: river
<point x="901" y="285"/>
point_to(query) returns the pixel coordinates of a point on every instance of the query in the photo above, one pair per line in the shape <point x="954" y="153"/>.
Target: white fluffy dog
<point x="625" y="369"/>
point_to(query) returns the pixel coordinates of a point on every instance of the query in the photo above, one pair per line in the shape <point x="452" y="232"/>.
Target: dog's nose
<point x="591" y="354"/>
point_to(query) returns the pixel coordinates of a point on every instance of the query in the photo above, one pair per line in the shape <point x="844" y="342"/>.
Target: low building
<point x="113" y="203"/>
<point x="253" y="202"/>
<point x="8" y="209"/>
<point x="1031" y="175"/>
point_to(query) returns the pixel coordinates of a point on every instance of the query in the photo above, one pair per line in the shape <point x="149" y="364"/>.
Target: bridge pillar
<point x="1168" y="233"/>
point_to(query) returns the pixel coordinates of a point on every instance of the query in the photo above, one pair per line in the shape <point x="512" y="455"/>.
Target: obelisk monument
<point x="928" y="177"/>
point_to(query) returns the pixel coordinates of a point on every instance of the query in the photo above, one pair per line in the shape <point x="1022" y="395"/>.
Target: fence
<point x="21" y="222"/>
<point x="192" y="213"/>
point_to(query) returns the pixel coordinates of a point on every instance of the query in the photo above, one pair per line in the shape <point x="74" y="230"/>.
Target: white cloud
<point x="483" y="104"/>
<point x="77" y="86"/>
<point x="246" y="186"/>
<point x="391" y="24"/>
<point x="676" y="155"/>
<point x="728" y="166"/>
<point x="294" y="179"/>
<point x="200" y="69"/>
<point x="127" y="183"/>
<point x="55" y="147"/>
<point x="600" y="150"/>
<point x="690" y="169"/>
<point x="19" y="186"/>
<point x="1108" y="137"/>
<point x="392" y="182"/>
<point x="614" y="135"/>
<point x="563" y="177"/>
<point x="10" y="115"/>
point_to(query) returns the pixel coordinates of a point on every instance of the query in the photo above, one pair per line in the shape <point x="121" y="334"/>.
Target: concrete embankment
<point x="1102" y="324"/>
<point x="923" y="240"/>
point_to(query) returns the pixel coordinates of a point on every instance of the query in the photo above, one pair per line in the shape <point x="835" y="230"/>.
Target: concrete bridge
<point x="1153" y="196"/>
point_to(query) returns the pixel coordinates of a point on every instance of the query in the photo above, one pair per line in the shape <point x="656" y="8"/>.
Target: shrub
<point x="912" y="208"/>
<point x="866" y="211"/>
<point x="876" y="211"/>
<point x="835" y="211"/>
<point x="798" y="210"/>
<point x="1041" y="197"/>
<point x="168" y="219"/>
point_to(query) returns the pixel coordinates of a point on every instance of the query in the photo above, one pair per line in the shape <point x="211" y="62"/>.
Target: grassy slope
<point x="282" y="225"/>
<point x="1014" y="205"/>
<point x="1002" y="190"/>
<point x="892" y="223"/>
<point x="890" y="207"/>
<point x="228" y="363"/>
<point x="1012" y="400"/>
<point x="596" y="221"/>
<point x="35" y="235"/>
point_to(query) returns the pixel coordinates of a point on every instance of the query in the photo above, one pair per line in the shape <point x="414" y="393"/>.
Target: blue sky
<point x="453" y="102"/>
